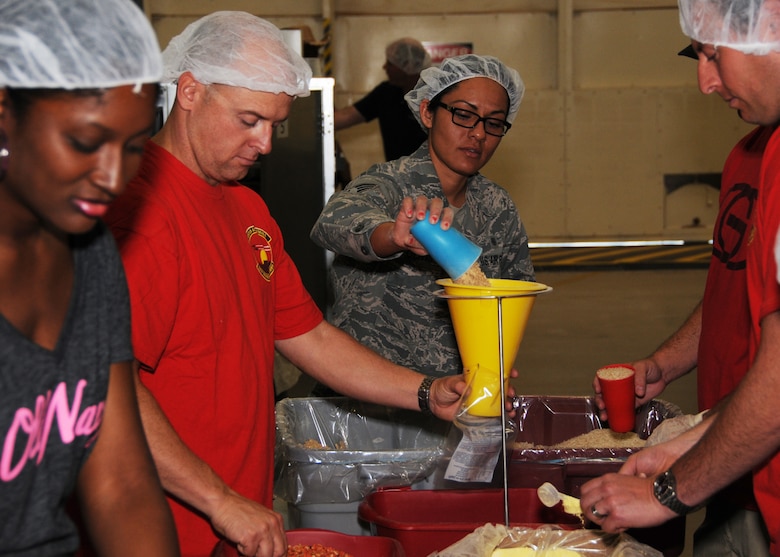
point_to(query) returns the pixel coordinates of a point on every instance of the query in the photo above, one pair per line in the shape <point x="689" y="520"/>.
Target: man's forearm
<point x="336" y="359"/>
<point x="182" y="473"/>
<point x="746" y="430"/>
<point x="678" y="354"/>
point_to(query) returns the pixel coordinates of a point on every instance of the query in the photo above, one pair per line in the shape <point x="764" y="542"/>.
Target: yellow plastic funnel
<point x="474" y="313"/>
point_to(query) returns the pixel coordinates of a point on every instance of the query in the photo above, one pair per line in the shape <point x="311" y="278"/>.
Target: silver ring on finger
<point x="596" y="513"/>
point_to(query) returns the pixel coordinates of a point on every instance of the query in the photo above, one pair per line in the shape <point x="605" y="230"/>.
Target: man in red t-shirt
<point x="739" y="50"/>
<point x="213" y="291"/>
<point x="733" y="526"/>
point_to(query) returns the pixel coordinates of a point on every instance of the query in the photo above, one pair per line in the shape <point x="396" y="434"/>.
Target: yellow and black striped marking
<point x="693" y="255"/>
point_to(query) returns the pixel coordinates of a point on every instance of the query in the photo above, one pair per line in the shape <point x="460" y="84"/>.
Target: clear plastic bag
<point x="336" y="450"/>
<point x="587" y="543"/>
<point x="483" y="437"/>
<point x="544" y="421"/>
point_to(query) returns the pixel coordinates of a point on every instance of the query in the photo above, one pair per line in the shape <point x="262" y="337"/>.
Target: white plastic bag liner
<point x="336" y="450"/>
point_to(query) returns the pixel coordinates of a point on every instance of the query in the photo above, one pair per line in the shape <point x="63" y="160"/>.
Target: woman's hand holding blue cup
<point x="448" y="247"/>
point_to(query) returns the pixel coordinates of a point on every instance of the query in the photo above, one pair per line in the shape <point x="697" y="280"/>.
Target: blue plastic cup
<point x="449" y="248"/>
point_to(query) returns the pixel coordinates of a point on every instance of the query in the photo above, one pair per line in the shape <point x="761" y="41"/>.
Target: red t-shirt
<point x="723" y="350"/>
<point x="211" y="289"/>
<point x="764" y="297"/>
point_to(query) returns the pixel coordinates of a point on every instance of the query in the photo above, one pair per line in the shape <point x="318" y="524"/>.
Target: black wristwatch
<point x="665" y="490"/>
<point x="424" y="395"/>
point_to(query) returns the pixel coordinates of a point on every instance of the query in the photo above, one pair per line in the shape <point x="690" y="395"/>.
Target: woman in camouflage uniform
<point x="382" y="277"/>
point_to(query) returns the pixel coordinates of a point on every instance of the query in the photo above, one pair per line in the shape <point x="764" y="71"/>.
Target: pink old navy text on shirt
<point x="36" y="425"/>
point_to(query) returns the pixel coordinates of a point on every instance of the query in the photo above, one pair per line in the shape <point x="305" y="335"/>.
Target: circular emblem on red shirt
<point x="260" y="242"/>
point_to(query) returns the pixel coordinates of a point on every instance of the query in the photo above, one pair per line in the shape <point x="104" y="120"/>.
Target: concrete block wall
<point x="609" y="111"/>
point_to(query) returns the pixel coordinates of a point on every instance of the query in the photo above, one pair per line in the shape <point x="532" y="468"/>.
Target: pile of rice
<point x="596" y="439"/>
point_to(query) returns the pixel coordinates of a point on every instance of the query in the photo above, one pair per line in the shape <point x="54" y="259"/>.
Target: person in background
<point x="401" y="133"/>
<point x="78" y="90"/>
<point x="384" y="281"/>
<point x="733" y="525"/>
<point x="738" y="46"/>
<point x="213" y="291"/>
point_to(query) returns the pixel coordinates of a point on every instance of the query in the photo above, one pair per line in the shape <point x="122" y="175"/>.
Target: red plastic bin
<point x="425" y="521"/>
<point x="547" y="420"/>
<point x="356" y="546"/>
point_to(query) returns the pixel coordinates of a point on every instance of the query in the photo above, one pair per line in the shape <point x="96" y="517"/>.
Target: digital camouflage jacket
<point x="389" y="304"/>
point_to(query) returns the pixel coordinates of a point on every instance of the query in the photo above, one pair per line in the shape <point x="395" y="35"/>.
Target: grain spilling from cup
<point x="473" y="276"/>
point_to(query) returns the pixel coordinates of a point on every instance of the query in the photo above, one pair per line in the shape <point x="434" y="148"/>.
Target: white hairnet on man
<point x="80" y="44"/>
<point x="237" y="49"/>
<point x="453" y="70"/>
<point x="409" y="55"/>
<point x="749" y="26"/>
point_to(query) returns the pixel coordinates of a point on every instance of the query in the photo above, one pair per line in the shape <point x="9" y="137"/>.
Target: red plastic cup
<point x="617" y="389"/>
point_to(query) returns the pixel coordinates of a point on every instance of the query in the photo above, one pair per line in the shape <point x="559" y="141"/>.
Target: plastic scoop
<point x="449" y="248"/>
<point x="550" y="496"/>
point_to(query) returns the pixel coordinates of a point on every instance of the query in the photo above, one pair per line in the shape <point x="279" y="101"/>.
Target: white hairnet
<point x="238" y="49"/>
<point x="750" y="26"/>
<point x="76" y="44"/>
<point x="453" y="70"/>
<point x="409" y="55"/>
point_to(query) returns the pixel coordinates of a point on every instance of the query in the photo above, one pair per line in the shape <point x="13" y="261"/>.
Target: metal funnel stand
<point x="478" y="319"/>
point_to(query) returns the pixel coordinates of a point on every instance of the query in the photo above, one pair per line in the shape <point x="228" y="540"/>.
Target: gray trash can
<point x="331" y="452"/>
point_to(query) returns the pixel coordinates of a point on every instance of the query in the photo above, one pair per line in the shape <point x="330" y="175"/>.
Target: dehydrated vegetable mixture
<point x="314" y="550"/>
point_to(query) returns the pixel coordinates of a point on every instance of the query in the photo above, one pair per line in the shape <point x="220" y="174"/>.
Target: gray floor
<point x="594" y="318"/>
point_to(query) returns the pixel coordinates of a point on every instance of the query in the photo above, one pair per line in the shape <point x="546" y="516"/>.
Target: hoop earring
<point x="4" y="154"/>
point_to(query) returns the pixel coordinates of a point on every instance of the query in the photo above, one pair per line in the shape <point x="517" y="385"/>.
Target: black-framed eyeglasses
<point x="468" y="119"/>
